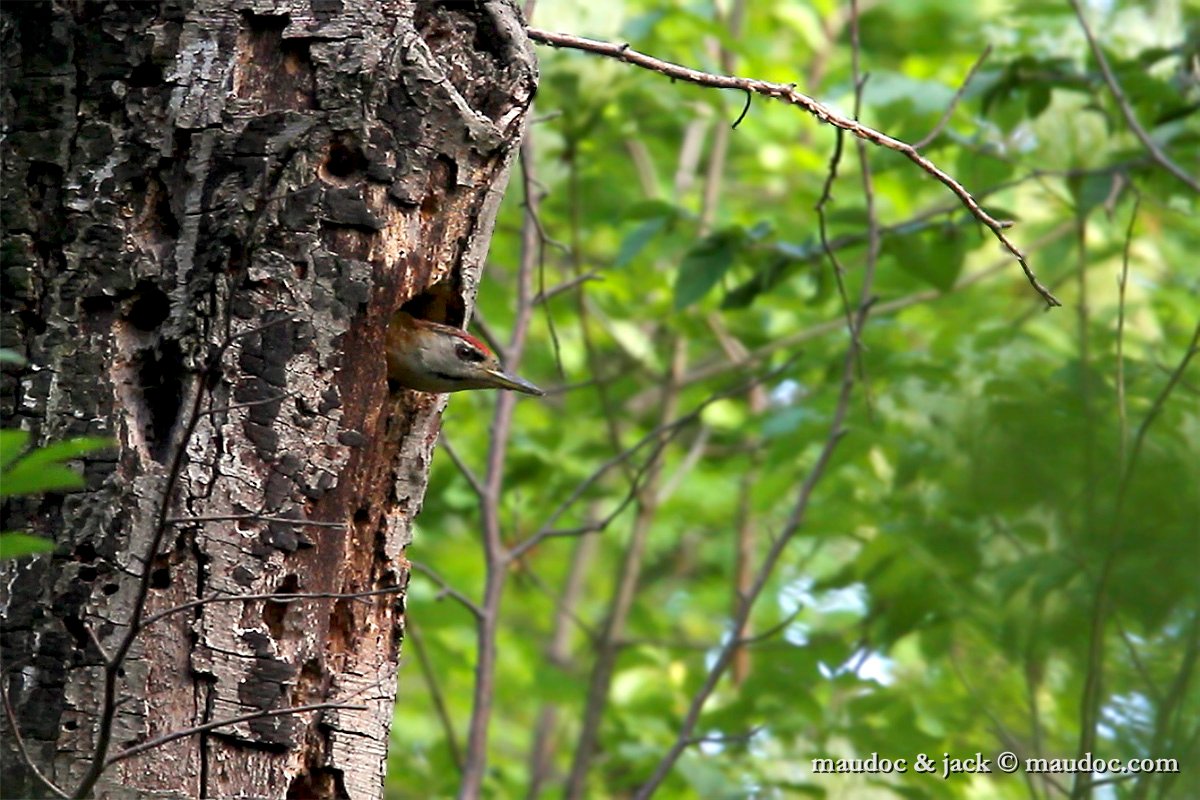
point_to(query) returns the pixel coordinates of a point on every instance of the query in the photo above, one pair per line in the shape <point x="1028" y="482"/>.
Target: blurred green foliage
<point x="1003" y="552"/>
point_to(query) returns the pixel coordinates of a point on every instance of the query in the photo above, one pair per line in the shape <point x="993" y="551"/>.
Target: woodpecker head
<point x="429" y="357"/>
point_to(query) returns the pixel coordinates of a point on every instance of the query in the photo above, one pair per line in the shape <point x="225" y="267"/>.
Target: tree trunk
<point x="210" y="210"/>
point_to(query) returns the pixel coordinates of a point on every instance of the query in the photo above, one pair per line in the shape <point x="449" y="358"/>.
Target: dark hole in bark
<point x="341" y="627"/>
<point x="96" y="305"/>
<point x="85" y="552"/>
<point x="345" y="160"/>
<point x="442" y="182"/>
<point x="318" y="782"/>
<point x="441" y="302"/>
<point x="45" y="181"/>
<point x="273" y="614"/>
<point x="33" y="321"/>
<point x="70" y="725"/>
<point x="74" y="626"/>
<point x="274" y="611"/>
<point x="183" y="145"/>
<point x="488" y="38"/>
<point x="145" y="75"/>
<point x="312" y="670"/>
<point x="110" y="588"/>
<point x="87" y="574"/>
<point x="168" y="225"/>
<point x="267" y="23"/>
<point x="160" y="375"/>
<point x="150" y="309"/>
<point x="160" y="578"/>
<point x="362" y="516"/>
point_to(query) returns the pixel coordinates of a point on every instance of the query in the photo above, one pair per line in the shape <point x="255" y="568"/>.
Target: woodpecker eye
<point x="467" y="353"/>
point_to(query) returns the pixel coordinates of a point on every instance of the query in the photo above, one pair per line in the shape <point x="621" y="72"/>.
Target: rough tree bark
<point x="210" y="210"/>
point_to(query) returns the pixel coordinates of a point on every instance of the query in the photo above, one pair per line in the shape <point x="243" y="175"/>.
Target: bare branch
<point x="788" y="94"/>
<point x="1114" y="86"/>
<point x="254" y="518"/>
<point x="566" y="286"/>
<point x="491" y="489"/>
<point x="954" y="101"/>
<point x="19" y="741"/>
<point x="467" y="472"/>
<point x="654" y="437"/>
<point x="277" y="597"/>
<point x="1122" y="280"/>
<point x="435" y="693"/>
<point x="741" y="618"/>
<point x="279" y="398"/>
<point x="447" y="590"/>
<point x="167" y="738"/>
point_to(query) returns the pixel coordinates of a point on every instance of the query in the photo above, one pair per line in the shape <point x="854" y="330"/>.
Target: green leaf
<point x="1038" y="100"/>
<point x="11" y="357"/>
<point x="649" y="209"/>
<point x="788" y="421"/>
<point x="12" y="444"/>
<point x="980" y="172"/>
<point x="67" y="450"/>
<point x="936" y="258"/>
<point x="1090" y="191"/>
<point x="33" y="479"/>
<point x="705" y="265"/>
<point x="15" y="545"/>
<point x="638" y="238"/>
<point x="779" y="263"/>
<point x="41" y="470"/>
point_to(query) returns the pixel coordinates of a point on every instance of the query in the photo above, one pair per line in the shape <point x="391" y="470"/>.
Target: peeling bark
<point x="210" y="210"/>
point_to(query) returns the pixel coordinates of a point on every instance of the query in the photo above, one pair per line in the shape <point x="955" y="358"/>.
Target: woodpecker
<point x="430" y="357"/>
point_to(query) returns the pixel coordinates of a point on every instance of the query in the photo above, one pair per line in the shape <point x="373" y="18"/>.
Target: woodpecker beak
<point x="502" y="380"/>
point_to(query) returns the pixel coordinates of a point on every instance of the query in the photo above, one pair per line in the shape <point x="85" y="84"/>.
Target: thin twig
<point x="766" y="570"/>
<point x="654" y="437"/>
<point x="167" y="738"/>
<point x="624" y="590"/>
<point x="279" y="398"/>
<point x="1114" y="86"/>
<point x="823" y="229"/>
<point x="276" y="597"/>
<point x="1156" y="408"/>
<point x="566" y="286"/>
<point x="445" y="589"/>
<point x="1122" y="281"/>
<point x="636" y="484"/>
<point x="435" y="694"/>
<point x="113" y="668"/>
<point x="761" y="354"/>
<point x="254" y="518"/>
<point x="727" y="738"/>
<point x="19" y="741"/>
<point x="874" y="233"/>
<point x="463" y="468"/>
<point x="789" y="94"/>
<point x="492" y="488"/>
<point x="954" y="101"/>
<point x="558" y="652"/>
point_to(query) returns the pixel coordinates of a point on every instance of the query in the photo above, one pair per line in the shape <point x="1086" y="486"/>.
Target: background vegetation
<point x="1001" y="552"/>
